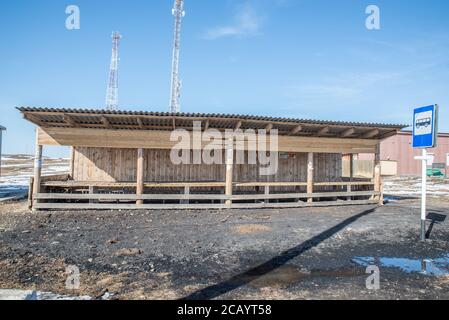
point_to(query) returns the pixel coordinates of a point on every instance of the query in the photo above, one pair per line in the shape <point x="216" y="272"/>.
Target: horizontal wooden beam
<point x="127" y="139"/>
<point x="134" y="197"/>
<point x="99" y="206"/>
<point x="130" y="197"/>
<point x="121" y="185"/>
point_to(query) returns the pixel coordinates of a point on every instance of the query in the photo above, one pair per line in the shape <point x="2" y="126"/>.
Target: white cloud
<point x="342" y="89"/>
<point x="331" y="91"/>
<point x="246" y="23"/>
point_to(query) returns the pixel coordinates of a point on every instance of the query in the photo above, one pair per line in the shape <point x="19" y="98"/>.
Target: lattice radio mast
<point x="179" y="13"/>
<point x="112" y="91"/>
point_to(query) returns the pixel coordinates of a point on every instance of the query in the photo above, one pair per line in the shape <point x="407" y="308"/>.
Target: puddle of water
<point x="286" y="275"/>
<point x="433" y="267"/>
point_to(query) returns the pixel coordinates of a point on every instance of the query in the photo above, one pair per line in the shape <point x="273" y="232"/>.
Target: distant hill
<point x="18" y="168"/>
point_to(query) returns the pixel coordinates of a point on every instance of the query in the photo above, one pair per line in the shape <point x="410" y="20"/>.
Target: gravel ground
<point x="241" y="254"/>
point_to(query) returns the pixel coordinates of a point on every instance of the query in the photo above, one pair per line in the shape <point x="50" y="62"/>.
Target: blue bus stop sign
<point x="425" y="127"/>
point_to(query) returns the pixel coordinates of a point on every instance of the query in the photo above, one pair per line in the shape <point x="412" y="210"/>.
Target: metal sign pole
<point x="425" y="133"/>
<point x="424" y="195"/>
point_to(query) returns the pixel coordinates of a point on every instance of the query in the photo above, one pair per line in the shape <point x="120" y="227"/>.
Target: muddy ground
<point x="240" y="254"/>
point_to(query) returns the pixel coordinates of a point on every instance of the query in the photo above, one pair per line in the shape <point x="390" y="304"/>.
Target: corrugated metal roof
<point x="97" y="112"/>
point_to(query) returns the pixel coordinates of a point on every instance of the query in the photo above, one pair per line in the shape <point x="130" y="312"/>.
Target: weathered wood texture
<point x="81" y="137"/>
<point x="120" y="165"/>
<point x="118" y="206"/>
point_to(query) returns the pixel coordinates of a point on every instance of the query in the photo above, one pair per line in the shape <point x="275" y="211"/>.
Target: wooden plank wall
<point x="119" y="165"/>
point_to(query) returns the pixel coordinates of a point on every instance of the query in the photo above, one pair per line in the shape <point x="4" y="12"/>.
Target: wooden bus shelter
<point x="121" y="160"/>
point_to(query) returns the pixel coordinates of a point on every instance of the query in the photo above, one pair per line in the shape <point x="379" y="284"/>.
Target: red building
<point x="399" y="148"/>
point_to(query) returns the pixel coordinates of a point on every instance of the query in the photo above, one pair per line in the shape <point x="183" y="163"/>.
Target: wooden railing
<point x="189" y="200"/>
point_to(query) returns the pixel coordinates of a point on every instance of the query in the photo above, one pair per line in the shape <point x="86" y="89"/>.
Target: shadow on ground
<point x="239" y="280"/>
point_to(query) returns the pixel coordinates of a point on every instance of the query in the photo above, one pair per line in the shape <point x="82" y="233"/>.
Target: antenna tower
<point x="112" y="91"/>
<point x="179" y="13"/>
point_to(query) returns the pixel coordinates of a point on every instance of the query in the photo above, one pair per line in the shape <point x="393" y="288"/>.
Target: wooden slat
<point x="100" y="184"/>
<point x="300" y="204"/>
<point x="133" y="197"/>
<point x="330" y="184"/>
<point x="270" y="184"/>
<point x="302" y="195"/>
<point x="81" y="184"/>
<point x="123" y="206"/>
<point x="98" y="206"/>
<point x="56" y="177"/>
<point x="130" y="197"/>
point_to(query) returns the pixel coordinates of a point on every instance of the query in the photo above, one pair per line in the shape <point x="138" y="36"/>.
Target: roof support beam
<point x="295" y="130"/>
<point x="140" y="123"/>
<point x="323" y="131"/>
<point x="269" y="127"/>
<point x="371" y="134"/>
<point x="35" y="119"/>
<point x="106" y="122"/>
<point x="238" y="125"/>
<point x="206" y="125"/>
<point x="70" y="120"/>
<point x="348" y="132"/>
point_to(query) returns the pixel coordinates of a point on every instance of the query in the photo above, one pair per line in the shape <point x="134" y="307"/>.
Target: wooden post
<point x="229" y="169"/>
<point x="186" y="193"/>
<point x="140" y="175"/>
<point x="351" y="174"/>
<point x="37" y="169"/>
<point x="377" y="175"/>
<point x="267" y="193"/>
<point x="72" y="162"/>
<point x="30" y="194"/>
<point x="92" y="191"/>
<point x="310" y="170"/>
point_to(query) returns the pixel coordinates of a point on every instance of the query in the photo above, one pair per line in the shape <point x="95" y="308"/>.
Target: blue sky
<point x="294" y="58"/>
